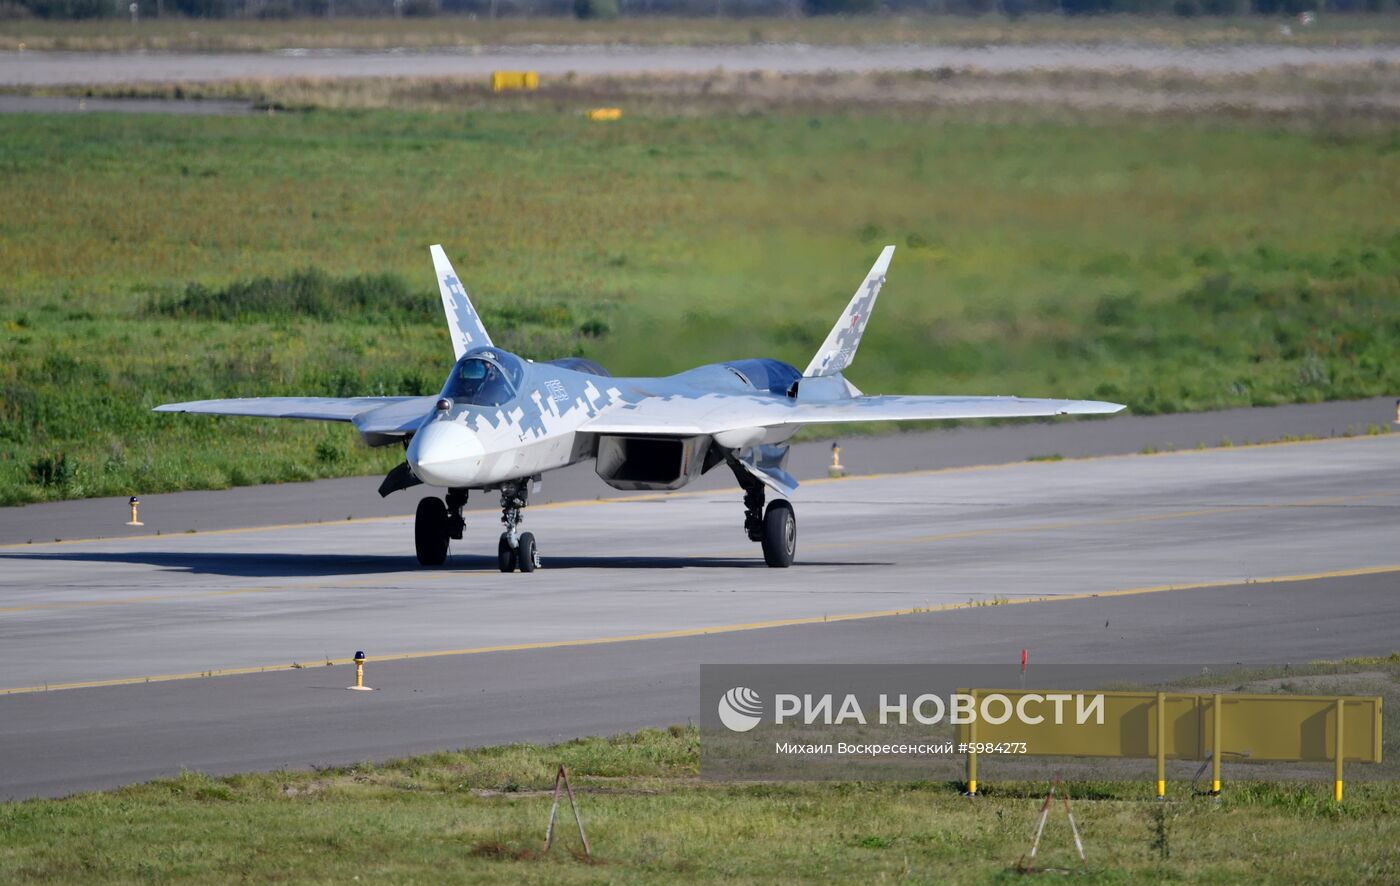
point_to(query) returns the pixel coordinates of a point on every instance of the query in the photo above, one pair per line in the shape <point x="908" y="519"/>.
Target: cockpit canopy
<point x="485" y="377"/>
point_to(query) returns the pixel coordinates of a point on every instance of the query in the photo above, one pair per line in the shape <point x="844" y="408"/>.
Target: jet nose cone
<point x="445" y="453"/>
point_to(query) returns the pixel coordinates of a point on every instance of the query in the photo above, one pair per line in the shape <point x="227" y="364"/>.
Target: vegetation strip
<point x="481" y="813"/>
<point x="1169" y="266"/>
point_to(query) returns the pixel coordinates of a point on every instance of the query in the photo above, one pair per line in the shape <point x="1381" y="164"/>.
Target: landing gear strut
<point x="516" y="550"/>
<point x="775" y="529"/>
<point x="436" y="524"/>
<point x="753" y="510"/>
<point x="456" y="501"/>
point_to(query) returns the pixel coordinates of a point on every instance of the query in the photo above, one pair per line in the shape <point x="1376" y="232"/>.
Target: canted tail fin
<point x="462" y="320"/>
<point x="839" y="349"/>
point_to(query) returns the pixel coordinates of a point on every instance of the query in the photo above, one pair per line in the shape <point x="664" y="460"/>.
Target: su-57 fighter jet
<point x="503" y="420"/>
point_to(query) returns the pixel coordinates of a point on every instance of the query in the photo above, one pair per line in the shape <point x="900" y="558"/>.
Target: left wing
<point x="382" y="415"/>
<point x="717" y="412"/>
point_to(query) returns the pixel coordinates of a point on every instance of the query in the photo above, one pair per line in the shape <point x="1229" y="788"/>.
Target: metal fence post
<point x="971" y="754"/>
<point x="1216" y="732"/>
<point x="1341" y="750"/>
<point x="1161" y="745"/>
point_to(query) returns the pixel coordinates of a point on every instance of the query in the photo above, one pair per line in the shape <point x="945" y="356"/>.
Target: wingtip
<point x="1092" y="407"/>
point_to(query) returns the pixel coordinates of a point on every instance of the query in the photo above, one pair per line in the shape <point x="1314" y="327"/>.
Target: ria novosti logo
<point x="740" y="709"/>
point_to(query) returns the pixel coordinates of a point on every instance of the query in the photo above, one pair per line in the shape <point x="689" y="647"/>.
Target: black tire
<point x="505" y="555"/>
<point x="779" y="534"/>
<point x="430" y="532"/>
<point x="525" y="554"/>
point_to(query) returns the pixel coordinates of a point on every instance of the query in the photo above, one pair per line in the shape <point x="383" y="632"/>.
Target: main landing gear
<point x="775" y="529"/>
<point x="516" y="550"/>
<point x="436" y="524"/>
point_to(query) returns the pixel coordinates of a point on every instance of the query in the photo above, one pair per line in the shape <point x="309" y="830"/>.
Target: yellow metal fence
<point x="1178" y="726"/>
<point x="502" y="81"/>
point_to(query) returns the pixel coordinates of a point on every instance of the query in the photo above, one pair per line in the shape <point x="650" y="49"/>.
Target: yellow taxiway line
<point x="706" y="631"/>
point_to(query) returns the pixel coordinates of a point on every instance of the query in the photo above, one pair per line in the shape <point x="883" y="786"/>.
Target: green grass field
<point x="481" y="815"/>
<point x="1169" y="264"/>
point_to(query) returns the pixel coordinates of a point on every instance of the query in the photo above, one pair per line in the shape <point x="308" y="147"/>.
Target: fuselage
<point x="501" y="418"/>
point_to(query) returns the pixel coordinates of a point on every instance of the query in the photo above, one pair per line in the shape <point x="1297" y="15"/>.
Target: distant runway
<point x="53" y="104"/>
<point x="73" y="68"/>
<point x="634" y="594"/>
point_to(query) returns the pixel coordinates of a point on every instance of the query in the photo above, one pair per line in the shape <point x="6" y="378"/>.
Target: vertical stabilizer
<point x="839" y="349"/>
<point x="462" y="319"/>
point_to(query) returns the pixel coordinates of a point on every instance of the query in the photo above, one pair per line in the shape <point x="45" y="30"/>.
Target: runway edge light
<point x="837" y="469"/>
<point x="134" y="521"/>
<point x="360" y="674"/>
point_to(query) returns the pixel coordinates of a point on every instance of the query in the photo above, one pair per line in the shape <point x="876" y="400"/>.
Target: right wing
<point x="718" y="412"/>
<point x="735" y="420"/>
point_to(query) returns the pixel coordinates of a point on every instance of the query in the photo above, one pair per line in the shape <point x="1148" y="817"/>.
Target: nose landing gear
<point x="516" y="550"/>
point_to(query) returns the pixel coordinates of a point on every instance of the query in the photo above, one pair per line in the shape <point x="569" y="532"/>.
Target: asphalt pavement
<point x="1262" y="554"/>
<point x="30" y="68"/>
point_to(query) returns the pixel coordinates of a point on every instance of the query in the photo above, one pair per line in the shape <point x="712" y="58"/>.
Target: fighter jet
<point x="502" y="420"/>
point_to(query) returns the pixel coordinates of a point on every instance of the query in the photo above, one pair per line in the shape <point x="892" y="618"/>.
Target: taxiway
<point x="1293" y="551"/>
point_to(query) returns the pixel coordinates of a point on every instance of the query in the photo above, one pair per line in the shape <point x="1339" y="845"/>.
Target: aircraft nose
<point x="445" y="453"/>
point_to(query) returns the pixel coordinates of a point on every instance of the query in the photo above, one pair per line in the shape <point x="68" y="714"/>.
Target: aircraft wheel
<point x="779" y="534"/>
<point x="505" y="555"/>
<point x="526" y="555"/>
<point x="430" y="532"/>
